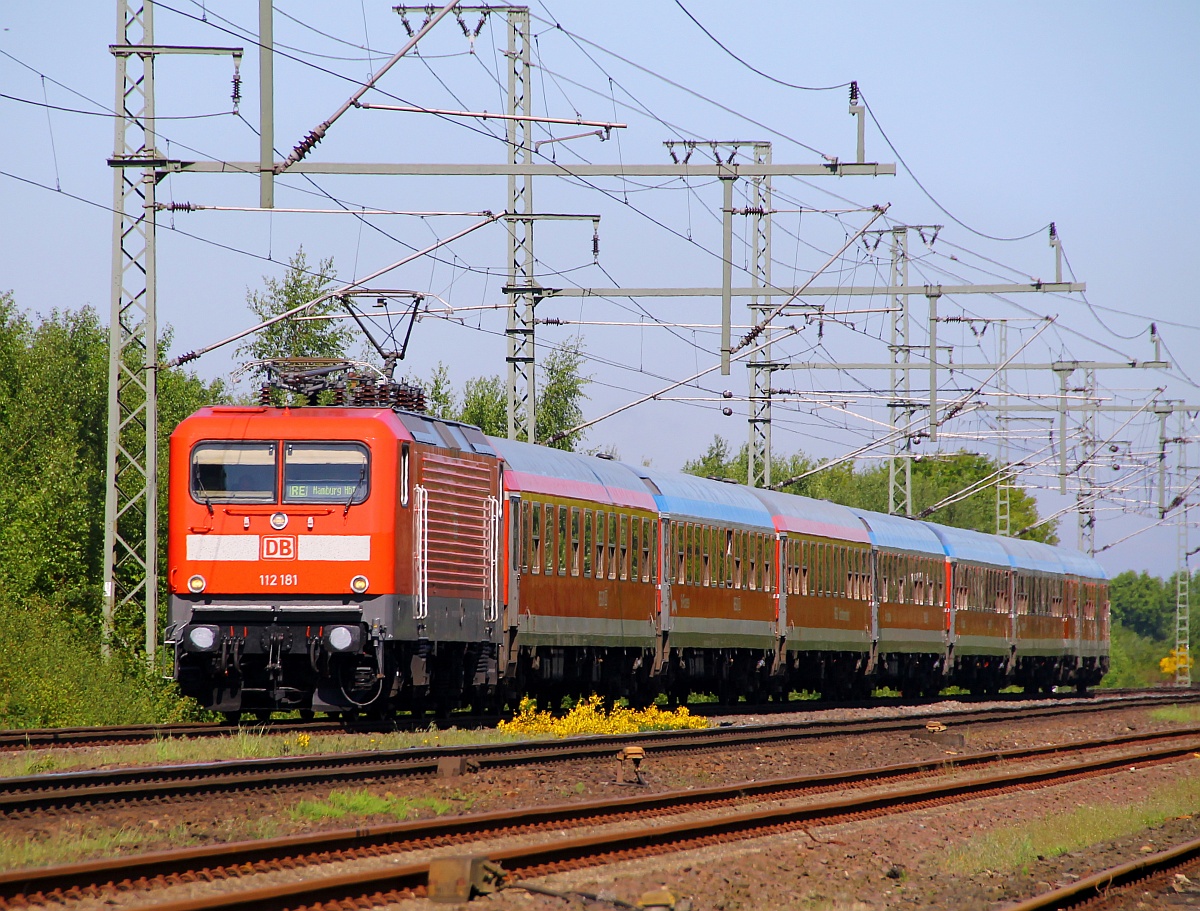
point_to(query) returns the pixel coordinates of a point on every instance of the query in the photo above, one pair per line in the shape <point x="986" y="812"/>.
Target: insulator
<point x="595" y="245"/>
<point x="727" y="411"/>
<point x="854" y="92"/>
<point x="409" y="398"/>
<point x="1053" y="231"/>
<point x="264" y="394"/>
<point x="306" y="144"/>
<point x="236" y="95"/>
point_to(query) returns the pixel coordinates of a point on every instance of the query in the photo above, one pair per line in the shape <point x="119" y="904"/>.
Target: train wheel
<point x="307" y="715"/>
<point x="233" y="719"/>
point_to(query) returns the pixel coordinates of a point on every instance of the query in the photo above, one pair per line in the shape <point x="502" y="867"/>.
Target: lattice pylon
<point x="131" y="500"/>
<point x="522" y="387"/>
<point x="900" y="465"/>
<point x="760" y="366"/>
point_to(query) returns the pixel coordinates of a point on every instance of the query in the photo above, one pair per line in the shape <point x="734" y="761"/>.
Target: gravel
<point x="892" y="862"/>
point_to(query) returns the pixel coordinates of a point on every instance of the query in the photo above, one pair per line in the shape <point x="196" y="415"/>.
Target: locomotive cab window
<point x="234" y="472"/>
<point x="325" y="472"/>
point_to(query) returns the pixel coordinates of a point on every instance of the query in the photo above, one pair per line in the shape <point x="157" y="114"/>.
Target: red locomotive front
<point x="300" y="567"/>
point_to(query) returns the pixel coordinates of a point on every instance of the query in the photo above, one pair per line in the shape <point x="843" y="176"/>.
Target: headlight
<point x="200" y="638"/>
<point x="279" y="521"/>
<point x="344" y="638"/>
<point x="196" y="584"/>
<point x="359" y="584"/>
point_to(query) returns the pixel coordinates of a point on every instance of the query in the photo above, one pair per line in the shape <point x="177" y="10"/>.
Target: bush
<point x="1134" y="660"/>
<point x="589" y="716"/>
<point x="52" y="675"/>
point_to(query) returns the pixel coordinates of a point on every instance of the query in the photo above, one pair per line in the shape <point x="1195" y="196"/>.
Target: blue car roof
<point x="544" y="470"/>
<point x="806" y="516"/>
<point x="971" y="546"/>
<point x="1033" y="557"/>
<point x="1038" y="557"/>
<point x="685" y="496"/>
<point x="1080" y="564"/>
<point x="900" y="533"/>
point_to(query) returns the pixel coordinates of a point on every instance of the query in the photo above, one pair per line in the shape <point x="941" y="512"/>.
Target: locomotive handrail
<point x="420" y="552"/>
<point x="491" y="587"/>
<point x="269" y="508"/>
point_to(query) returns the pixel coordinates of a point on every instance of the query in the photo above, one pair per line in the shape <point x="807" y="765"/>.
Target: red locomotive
<point x="361" y="557"/>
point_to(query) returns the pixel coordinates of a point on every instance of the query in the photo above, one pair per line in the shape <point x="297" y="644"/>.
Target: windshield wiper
<point x="204" y="493"/>
<point x="362" y="476"/>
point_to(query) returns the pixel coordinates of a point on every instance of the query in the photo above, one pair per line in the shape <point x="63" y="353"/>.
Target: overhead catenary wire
<point x="615" y="282"/>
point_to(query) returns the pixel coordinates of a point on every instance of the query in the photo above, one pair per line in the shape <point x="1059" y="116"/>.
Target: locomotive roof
<point x="901" y="533"/>
<point x="685" y="496"/>
<point x="310" y="421"/>
<point x="806" y="516"/>
<point x="554" y="472"/>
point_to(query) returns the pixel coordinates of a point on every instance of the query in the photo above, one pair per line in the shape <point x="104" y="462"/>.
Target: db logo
<point x="279" y="547"/>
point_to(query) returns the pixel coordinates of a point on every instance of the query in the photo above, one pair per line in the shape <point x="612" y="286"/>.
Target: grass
<point x="91" y="840"/>
<point x="63" y="848"/>
<point x="87" y="839"/>
<point x="359" y="803"/>
<point x="587" y="717"/>
<point x="246" y="744"/>
<point x="52" y="673"/>
<point x="1015" y="847"/>
<point x="1176" y="714"/>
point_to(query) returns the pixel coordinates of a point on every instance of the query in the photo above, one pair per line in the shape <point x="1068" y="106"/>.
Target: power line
<point x="767" y="76"/>
<point x="932" y="199"/>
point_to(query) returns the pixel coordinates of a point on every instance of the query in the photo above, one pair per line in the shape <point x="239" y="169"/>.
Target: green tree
<point x="53" y="451"/>
<point x="561" y="394"/>
<point x="53" y="409"/>
<point x="291" y="337"/>
<point x="1143" y="603"/>
<point x="439" y="394"/>
<point x="484" y="399"/>
<point x="485" y="404"/>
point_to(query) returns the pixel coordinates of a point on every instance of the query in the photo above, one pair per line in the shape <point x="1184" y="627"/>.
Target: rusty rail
<point x="46" y="738"/>
<point x="1113" y="884"/>
<point x="62" y="789"/>
<point x="88" y="879"/>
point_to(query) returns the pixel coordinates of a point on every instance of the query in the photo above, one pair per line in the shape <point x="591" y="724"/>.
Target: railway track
<point x="537" y="841"/>
<point x="46" y="738"/>
<point x="1113" y="888"/>
<point x="35" y="793"/>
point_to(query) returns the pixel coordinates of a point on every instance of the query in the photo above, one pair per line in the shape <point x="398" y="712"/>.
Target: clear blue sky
<point x="1010" y="115"/>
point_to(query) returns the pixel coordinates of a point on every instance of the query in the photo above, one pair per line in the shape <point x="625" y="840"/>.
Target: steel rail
<point x="80" y="880"/>
<point x="91" y="874"/>
<point x="45" y="738"/>
<point x="1119" y="878"/>
<point x="63" y="789"/>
